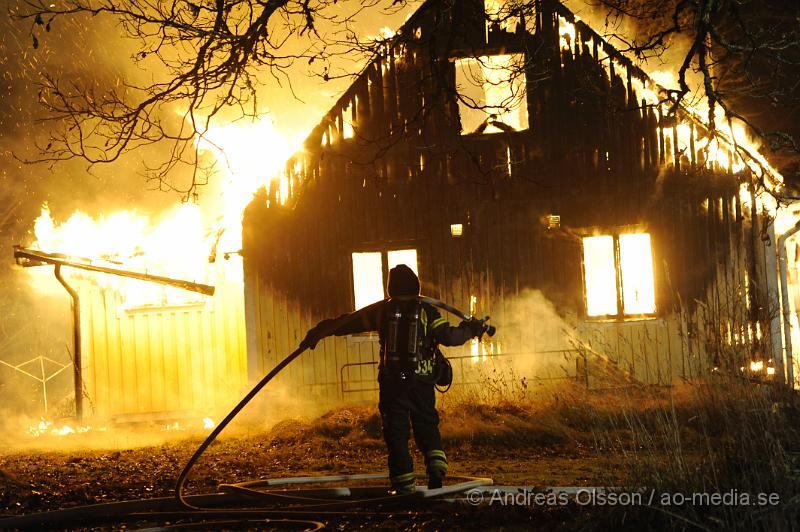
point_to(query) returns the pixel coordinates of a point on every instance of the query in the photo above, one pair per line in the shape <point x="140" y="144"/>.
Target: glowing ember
<point x="756" y="366"/>
<point x="208" y="423"/>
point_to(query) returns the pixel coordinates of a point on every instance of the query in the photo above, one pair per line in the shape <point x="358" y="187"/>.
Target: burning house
<point x="157" y="296"/>
<point x="511" y="158"/>
<point x="144" y="346"/>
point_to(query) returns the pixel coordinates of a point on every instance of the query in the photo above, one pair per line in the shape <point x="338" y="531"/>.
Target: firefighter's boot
<point x="437" y="468"/>
<point x="403" y="484"/>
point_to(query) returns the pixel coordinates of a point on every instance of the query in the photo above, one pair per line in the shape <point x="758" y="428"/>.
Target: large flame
<point x="730" y="147"/>
<point x="181" y="241"/>
<point x="251" y="154"/>
<point x="175" y="244"/>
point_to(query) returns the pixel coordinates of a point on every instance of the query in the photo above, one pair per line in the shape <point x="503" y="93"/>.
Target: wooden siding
<point x="595" y="154"/>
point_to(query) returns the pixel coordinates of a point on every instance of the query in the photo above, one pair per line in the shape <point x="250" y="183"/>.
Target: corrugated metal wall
<point x="182" y="359"/>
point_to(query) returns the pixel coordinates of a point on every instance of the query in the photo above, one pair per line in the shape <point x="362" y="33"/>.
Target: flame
<point x="494" y="86"/>
<point x="598" y="261"/>
<point x="251" y="154"/>
<point x="176" y="426"/>
<point x="636" y="264"/>
<point x="176" y="246"/>
<point x="480" y="349"/>
<point x="368" y="274"/>
<point x="385" y="33"/>
<point x="179" y="242"/>
<point x="566" y="33"/>
<point x="499" y="13"/>
<point x="731" y="146"/>
<point x="45" y="427"/>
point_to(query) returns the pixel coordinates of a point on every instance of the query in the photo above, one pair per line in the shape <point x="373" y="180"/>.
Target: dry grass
<point x="711" y="437"/>
<point x="727" y="436"/>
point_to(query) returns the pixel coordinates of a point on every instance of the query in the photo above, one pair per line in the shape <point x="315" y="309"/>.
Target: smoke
<point x="280" y="401"/>
<point x="533" y="351"/>
<point x="35" y="327"/>
<point x="546" y="339"/>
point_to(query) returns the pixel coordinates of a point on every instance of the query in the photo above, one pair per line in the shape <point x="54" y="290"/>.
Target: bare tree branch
<point x="204" y="56"/>
<point x="738" y="48"/>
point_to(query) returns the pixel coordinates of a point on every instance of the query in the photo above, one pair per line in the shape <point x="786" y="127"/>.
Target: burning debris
<point x="49" y="427"/>
<point x="141" y="276"/>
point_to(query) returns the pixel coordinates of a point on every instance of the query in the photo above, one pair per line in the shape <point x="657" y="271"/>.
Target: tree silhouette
<point x="209" y="55"/>
<point x="204" y="56"/>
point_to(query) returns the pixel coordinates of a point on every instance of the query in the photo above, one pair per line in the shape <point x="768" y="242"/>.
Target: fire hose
<point x="329" y="329"/>
<point x="308" y="506"/>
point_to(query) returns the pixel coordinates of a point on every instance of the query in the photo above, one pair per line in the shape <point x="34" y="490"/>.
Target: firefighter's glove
<point x="476" y="327"/>
<point x="313" y="336"/>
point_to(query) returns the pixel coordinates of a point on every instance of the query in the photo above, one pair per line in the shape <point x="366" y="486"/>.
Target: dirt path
<point x="48" y="480"/>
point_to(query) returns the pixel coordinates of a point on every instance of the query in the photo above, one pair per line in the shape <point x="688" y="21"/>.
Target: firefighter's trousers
<point x="401" y="401"/>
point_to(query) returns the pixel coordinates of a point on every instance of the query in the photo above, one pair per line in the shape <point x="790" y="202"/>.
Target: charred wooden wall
<point x="595" y="154"/>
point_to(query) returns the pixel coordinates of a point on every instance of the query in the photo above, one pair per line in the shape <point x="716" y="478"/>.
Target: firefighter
<point x="409" y="333"/>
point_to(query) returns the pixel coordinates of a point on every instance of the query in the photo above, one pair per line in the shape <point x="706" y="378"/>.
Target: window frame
<point x="621" y="315"/>
<point x="490" y="52"/>
<point x="384" y="249"/>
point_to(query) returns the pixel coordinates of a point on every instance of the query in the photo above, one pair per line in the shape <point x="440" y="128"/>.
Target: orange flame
<point x="179" y="242"/>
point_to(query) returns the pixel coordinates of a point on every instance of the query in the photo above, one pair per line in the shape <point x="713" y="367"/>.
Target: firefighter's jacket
<point x="436" y="330"/>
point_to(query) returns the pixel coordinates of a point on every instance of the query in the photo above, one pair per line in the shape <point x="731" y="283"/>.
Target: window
<point x="491" y="94"/>
<point x="618" y="275"/>
<point x="370" y="269"/>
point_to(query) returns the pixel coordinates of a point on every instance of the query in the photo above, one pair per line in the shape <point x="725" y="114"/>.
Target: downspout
<point x="787" y="325"/>
<point x="76" y="340"/>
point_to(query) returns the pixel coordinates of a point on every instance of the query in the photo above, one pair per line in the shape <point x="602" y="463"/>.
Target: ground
<point x="567" y="441"/>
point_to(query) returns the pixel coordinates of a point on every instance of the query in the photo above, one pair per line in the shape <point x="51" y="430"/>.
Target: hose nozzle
<point x="490" y="329"/>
